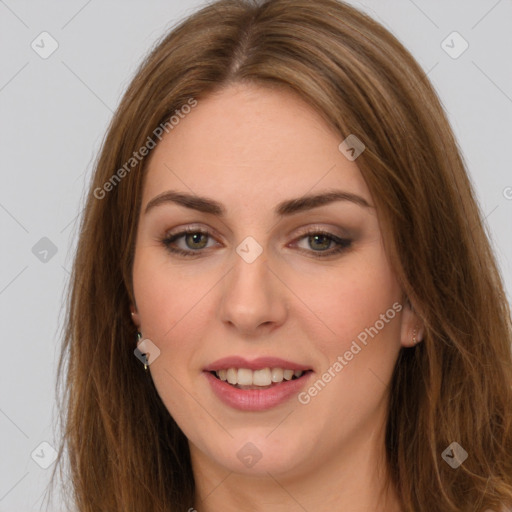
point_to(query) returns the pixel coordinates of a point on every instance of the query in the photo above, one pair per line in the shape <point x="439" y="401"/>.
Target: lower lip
<point x="256" y="399"/>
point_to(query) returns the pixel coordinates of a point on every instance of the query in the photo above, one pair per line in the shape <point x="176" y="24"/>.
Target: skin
<point x="250" y="148"/>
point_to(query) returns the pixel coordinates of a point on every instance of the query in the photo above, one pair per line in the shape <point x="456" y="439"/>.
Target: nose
<point x="254" y="299"/>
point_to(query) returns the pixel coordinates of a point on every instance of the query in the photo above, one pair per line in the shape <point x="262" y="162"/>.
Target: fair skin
<point x="250" y="148"/>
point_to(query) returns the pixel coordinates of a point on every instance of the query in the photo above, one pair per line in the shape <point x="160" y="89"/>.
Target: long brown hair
<point x="123" y="449"/>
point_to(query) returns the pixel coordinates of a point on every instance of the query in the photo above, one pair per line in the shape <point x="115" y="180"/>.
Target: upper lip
<point x="255" y="364"/>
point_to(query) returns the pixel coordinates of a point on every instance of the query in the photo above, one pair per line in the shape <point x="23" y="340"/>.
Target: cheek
<point x="362" y="312"/>
<point x="168" y="297"/>
<point x="171" y="306"/>
<point x="343" y="302"/>
<point x="175" y="307"/>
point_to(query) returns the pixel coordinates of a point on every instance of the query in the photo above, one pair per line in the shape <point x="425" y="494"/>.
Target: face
<point x="240" y="275"/>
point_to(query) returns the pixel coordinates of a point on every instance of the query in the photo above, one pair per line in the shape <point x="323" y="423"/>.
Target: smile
<point x="256" y="385"/>
<point x="245" y="378"/>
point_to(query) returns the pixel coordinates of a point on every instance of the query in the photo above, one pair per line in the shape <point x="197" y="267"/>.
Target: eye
<point x="189" y="241"/>
<point x="322" y="243"/>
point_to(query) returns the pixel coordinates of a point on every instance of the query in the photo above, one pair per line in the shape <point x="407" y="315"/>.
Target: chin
<point x="258" y="455"/>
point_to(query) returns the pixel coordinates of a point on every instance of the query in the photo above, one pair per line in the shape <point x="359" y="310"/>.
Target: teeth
<point x="264" y="377"/>
<point x="277" y="375"/>
<point x="232" y="376"/>
<point x="261" y="377"/>
<point x="244" y="377"/>
<point x="288" y="374"/>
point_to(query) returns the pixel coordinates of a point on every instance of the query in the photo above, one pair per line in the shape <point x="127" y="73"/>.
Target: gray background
<point x="54" y="113"/>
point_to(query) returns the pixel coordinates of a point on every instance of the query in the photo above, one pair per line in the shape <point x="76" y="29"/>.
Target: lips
<point x="273" y="381"/>
<point x="255" y="364"/>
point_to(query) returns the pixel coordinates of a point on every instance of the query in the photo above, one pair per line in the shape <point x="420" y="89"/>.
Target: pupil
<point x="195" y="238"/>
<point x="326" y="240"/>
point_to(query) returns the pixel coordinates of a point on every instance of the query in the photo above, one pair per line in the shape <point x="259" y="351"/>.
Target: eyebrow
<point x="285" y="208"/>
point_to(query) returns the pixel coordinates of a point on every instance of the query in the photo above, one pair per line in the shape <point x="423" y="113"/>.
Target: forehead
<point x="250" y="143"/>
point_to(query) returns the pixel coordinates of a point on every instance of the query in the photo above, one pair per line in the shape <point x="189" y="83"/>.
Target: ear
<point x="412" y="327"/>
<point x="135" y="316"/>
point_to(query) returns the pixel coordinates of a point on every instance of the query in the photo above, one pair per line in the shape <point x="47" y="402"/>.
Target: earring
<point x="414" y="340"/>
<point x="139" y="337"/>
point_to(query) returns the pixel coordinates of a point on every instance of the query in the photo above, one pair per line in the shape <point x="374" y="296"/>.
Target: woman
<point x="283" y="296"/>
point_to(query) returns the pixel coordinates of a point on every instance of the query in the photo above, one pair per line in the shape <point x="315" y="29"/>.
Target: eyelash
<point x="343" y="243"/>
